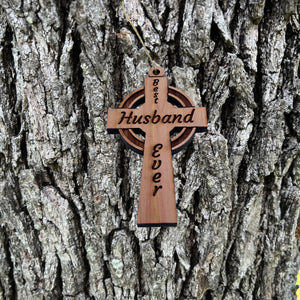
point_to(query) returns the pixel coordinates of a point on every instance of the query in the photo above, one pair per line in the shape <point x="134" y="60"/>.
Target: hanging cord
<point x="135" y="30"/>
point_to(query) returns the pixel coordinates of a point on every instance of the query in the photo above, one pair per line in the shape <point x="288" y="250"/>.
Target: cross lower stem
<point x="157" y="206"/>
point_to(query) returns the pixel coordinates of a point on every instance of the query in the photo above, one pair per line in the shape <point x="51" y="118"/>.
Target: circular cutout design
<point x="182" y="136"/>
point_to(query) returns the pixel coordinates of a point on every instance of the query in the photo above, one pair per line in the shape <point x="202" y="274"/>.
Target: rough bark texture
<point x="69" y="191"/>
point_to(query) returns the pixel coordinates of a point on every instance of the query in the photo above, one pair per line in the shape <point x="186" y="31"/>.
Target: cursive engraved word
<point x="155" y="166"/>
<point x="155" y="90"/>
<point x="156" y="118"/>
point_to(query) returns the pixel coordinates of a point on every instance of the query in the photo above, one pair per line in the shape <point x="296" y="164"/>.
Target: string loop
<point x="138" y="35"/>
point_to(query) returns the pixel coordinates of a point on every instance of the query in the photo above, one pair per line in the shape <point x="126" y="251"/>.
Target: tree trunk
<point x="69" y="191"/>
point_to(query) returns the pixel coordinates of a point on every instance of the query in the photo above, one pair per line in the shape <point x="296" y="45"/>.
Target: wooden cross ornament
<point x="156" y="121"/>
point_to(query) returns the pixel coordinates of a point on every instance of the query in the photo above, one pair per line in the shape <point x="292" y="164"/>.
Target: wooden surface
<point x="157" y="118"/>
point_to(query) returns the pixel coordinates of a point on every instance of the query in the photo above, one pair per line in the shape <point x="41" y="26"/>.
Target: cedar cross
<point x="157" y="118"/>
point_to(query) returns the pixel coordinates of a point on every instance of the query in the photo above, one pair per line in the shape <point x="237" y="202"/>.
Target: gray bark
<point x="69" y="191"/>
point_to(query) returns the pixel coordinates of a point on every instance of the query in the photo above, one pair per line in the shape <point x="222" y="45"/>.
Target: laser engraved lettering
<point x="155" y="90"/>
<point x="189" y="117"/>
<point x="156" y="177"/>
<point x="124" y="117"/>
<point x="156" y="98"/>
<point x="155" y="82"/>
<point x="167" y="119"/>
<point x="156" y="189"/>
<point x="137" y="119"/>
<point x="156" y="118"/>
<point x="156" y="164"/>
<point x="175" y="117"/>
<point x="156" y="149"/>
<point x="147" y="119"/>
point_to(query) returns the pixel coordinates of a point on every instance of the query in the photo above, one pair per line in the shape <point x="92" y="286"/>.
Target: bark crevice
<point x="12" y="117"/>
<point x="63" y="7"/>
<point x="9" y="291"/>
<point x="78" y="86"/>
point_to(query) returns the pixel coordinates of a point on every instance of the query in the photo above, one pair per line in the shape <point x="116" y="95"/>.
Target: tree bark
<point x="69" y="191"/>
